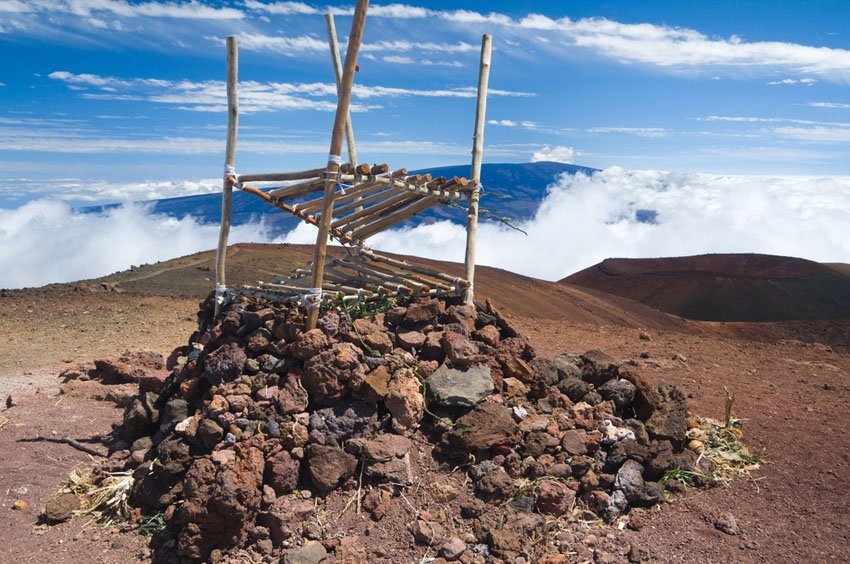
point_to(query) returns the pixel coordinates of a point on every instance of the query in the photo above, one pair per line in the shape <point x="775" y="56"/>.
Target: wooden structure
<point x="351" y="202"/>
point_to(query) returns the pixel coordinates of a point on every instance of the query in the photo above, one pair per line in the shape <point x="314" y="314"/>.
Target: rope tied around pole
<point x="312" y="299"/>
<point x="223" y="295"/>
<point x="231" y="176"/>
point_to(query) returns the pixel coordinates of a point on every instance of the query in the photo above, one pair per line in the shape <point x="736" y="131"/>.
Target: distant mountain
<point x="510" y="189"/>
<point x="726" y="287"/>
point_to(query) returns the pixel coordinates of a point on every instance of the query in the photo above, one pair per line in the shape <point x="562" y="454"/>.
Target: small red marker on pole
<point x="356" y="68"/>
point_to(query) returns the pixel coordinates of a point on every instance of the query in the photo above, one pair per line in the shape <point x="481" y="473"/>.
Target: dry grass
<point x="723" y="447"/>
<point x="105" y="496"/>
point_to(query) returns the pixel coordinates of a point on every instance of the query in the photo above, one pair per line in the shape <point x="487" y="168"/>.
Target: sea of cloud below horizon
<point x="581" y="221"/>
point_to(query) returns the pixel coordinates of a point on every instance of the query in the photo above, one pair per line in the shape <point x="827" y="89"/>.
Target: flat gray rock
<point x="449" y="387"/>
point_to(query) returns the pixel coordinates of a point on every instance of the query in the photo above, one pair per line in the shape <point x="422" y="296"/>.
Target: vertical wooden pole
<point x="477" y="156"/>
<point x="334" y="160"/>
<point x="337" y="64"/>
<point x="229" y="164"/>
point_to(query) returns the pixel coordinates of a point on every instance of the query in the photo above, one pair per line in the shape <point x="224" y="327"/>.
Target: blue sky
<point x="111" y="99"/>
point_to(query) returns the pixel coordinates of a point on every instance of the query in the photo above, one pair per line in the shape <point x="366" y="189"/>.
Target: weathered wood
<point x="382" y="189"/>
<point x="311" y="206"/>
<point x="477" y="158"/>
<point x="298" y="190"/>
<point x="376" y="212"/>
<point x="398" y="216"/>
<point x="338" y="235"/>
<point x="400" y="173"/>
<point x="372" y="255"/>
<point x="333" y="43"/>
<point x="229" y="163"/>
<point x="379" y="169"/>
<point x="282" y="176"/>
<point x="436" y="183"/>
<point x="421" y="279"/>
<point x="333" y="171"/>
<point x="380" y="201"/>
<point x="371" y="272"/>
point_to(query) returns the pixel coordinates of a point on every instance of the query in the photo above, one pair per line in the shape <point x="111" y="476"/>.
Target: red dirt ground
<point x="791" y="382"/>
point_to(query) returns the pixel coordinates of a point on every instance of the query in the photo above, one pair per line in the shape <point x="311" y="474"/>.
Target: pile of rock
<point x="259" y="417"/>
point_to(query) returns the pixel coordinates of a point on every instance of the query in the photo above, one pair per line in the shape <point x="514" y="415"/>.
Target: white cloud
<point x="558" y="154"/>
<point x="584" y="220"/>
<point x="90" y="8"/>
<point x="426" y="46"/>
<point x="211" y="96"/>
<point x="285" y="45"/>
<point x="281" y="8"/>
<point x="831" y="105"/>
<point x="96" y="244"/>
<point x="398" y="59"/>
<point x="512" y="123"/>
<point x="792" y="81"/>
<point x="581" y="221"/>
<point x="818" y="134"/>
<point x="644" y="43"/>
<point x="639" y="131"/>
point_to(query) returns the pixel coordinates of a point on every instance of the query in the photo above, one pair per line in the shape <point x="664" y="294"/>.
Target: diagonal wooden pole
<point x="337" y="64"/>
<point x="477" y="157"/>
<point x="334" y="158"/>
<point x="229" y="171"/>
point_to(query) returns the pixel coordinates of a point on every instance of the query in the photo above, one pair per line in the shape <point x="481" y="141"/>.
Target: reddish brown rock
<point x="487" y="425"/>
<point x="386" y="447"/>
<point x="291" y="396"/>
<point x="259" y="340"/>
<point x="221" y="502"/>
<point x="411" y="340"/>
<point x="424" y="313"/>
<point x="405" y="400"/>
<point x="488" y="334"/>
<point x="379" y="342"/>
<point x="460" y="350"/>
<point x="309" y="344"/>
<point x="375" y="385"/>
<point x="225" y="364"/>
<point x="327" y="375"/>
<point x="554" y="498"/>
<point x="495" y="486"/>
<point x="463" y="315"/>
<point x="328" y="465"/>
<point x="281" y="472"/>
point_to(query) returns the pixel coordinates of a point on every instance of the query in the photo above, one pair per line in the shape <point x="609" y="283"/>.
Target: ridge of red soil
<point x="726" y="287"/>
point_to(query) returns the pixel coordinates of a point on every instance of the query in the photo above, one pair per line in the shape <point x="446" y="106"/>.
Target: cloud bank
<point x="582" y="220"/>
<point x="45" y="241"/>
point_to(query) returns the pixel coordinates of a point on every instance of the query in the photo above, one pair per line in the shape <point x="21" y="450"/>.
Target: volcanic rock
<point x="619" y="391"/>
<point x="61" y="507"/>
<point x="220" y="502"/>
<point x="405" y="401"/>
<point x="487" y="425"/>
<point x="312" y="552"/>
<point x="669" y="419"/>
<point x="411" y="340"/>
<point x="281" y="472"/>
<point x="328" y="465"/>
<point x="449" y="387"/>
<point x="309" y="344"/>
<point x="554" y="498"/>
<point x="419" y="314"/>
<point x="225" y="364"/>
<point x="327" y="374"/>
<point x="460" y="350"/>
